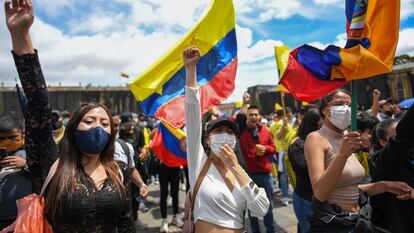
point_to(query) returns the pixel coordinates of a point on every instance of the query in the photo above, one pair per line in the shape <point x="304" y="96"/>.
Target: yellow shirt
<point x="147" y="134"/>
<point x="291" y="134"/>
<point x="281" y="144"/>
<point x="362" y="156"/>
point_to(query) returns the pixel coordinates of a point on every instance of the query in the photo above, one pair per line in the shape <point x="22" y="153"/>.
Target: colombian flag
<point x="160" y="89"/>
<point x="372" y="29"/>
<point x="282" y="58"/>
<point x="166" y="145"/>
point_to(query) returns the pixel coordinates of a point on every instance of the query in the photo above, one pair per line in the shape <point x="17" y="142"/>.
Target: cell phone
<point x="3" y="153"/>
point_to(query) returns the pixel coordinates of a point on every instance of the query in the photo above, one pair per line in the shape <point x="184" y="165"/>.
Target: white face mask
<point x="340" y="116"/>
<point x="218" y="140"/>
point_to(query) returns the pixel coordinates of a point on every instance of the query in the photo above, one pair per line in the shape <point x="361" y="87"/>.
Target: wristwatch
<point x="143" y="185"/>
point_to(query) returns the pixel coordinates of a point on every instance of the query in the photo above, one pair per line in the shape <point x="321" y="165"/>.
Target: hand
<point x="396" y="109"/>
<point x="143" y="155"/>
<point x="228" y="156"/>
<point x="246" y="97"/>
<point x="366" y="140"/>
<point x="401" y="189"/>
<point x="260" y="150"/>
<point x="191" y="56"/>
<point x="376" y="94"/>
<point x="143" y="191"/>
<point x="20" y="17"/>
<point x="351" y="142"/>
<point x="285" y="121"/>
<point x="13" y="162"/>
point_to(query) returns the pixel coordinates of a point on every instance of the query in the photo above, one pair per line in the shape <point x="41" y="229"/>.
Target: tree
<point x="402" y="59"/>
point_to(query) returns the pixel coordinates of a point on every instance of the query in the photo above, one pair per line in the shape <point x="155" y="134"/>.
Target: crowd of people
<point x="101" y="162"/>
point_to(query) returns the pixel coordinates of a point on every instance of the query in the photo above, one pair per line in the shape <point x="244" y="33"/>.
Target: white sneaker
<point x="164" y="225"/>
<point x="177" y="221"/>
<point x="183" y="187"/>
<point x="285" y="201"/>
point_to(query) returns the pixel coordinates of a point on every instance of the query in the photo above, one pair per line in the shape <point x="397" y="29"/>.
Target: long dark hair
<point x="309" y="124"/>
<point x="70" y="170"/>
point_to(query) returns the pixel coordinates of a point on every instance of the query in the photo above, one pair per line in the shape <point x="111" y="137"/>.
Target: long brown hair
<point x="70" y="170"/>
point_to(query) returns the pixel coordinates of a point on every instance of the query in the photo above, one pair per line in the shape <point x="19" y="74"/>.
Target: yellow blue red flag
<point x="167" y="145"/>
<point x="282" y="58"/>
<point x="160" y="89"/>
<point x="372" y="30"/>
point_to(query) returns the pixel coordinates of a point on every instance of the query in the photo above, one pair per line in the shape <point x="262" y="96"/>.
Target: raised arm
<point x="323" y="179"/>
<point x="193" y="122"/>
<point x="376" y="95"/>
<point x="19" y="18"/>
<point x="39" y="144"/>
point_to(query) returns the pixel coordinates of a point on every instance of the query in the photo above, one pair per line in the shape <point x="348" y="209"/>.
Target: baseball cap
<point x="222" y="122"/>
<point x="382" y="102"/>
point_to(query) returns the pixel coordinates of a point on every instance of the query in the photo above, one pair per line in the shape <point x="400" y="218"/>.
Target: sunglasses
<point x="11" y="137"/>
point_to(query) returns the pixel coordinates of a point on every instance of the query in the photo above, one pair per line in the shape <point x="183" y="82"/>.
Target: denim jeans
<point x="302" y="208"/>
<point x="264" y="181"/>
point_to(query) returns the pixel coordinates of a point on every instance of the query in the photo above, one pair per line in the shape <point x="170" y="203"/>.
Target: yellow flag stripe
<point x="215" y="25"/>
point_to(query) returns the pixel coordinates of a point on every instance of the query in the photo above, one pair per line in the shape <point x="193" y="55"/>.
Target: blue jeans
<point x="264" y="181"/>
<point x="302" y="208"/>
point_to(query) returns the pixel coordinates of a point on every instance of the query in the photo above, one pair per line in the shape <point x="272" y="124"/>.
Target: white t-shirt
<point x="120" y="154"/>
<point x="214" y="202"/>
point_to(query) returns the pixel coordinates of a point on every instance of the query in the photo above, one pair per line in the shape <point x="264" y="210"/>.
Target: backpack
<point x="125" y="148"/>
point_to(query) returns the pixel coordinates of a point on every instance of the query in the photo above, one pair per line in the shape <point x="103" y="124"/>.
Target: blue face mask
<point x="92" y="141"/>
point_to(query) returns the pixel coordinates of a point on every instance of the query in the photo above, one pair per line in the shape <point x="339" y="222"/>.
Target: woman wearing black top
<point x="87" y="192"/>
<point x="302" y="196"/>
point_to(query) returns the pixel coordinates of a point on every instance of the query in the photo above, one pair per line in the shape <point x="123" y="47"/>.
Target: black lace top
<point x="90" y="210"/>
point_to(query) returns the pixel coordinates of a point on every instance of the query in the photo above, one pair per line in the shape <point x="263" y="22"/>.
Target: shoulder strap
<point x="200" y="179"/>
<point x="49" y="177"/>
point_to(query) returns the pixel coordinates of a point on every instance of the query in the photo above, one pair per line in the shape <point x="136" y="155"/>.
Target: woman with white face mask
<point x="226" y="191"/>
<point x="340" y="202"/>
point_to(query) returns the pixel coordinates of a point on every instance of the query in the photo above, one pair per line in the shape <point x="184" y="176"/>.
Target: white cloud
<point x="269" y="9"/>
<point x="406" y="42"/>
<point x="249" y="52"/>
<point x="323" y="2"/>
<point x="407" y="9"/>
<point x="263" y="73"/>
<point x="53" y="7"/>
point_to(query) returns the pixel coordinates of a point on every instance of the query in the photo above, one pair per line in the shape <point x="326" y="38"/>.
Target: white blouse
<point x="214" y="202"/>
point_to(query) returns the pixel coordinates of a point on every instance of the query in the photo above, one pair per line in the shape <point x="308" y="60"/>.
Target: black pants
<point x="326" y="218"/>
<point x="169" y="175"/>
<point x="133" y="192"/>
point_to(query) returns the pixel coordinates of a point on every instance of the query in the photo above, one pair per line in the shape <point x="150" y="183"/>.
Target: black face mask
<point x="56" y="125"/>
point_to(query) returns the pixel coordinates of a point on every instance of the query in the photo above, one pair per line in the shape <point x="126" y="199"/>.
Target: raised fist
<point x="246" y="97"/>
<point x="191" y="56"/>
<point x="376" y="94"/>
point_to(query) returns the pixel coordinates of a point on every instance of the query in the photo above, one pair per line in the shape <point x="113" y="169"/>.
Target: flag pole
<point x="354" y="104"/>
<point x="282" y="98"/>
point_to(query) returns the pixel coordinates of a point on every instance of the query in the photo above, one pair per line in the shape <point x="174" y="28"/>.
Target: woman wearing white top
<point x="218" y="207"/>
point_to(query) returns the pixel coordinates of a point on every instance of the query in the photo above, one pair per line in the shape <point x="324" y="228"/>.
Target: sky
<point x="91" y="42"/>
